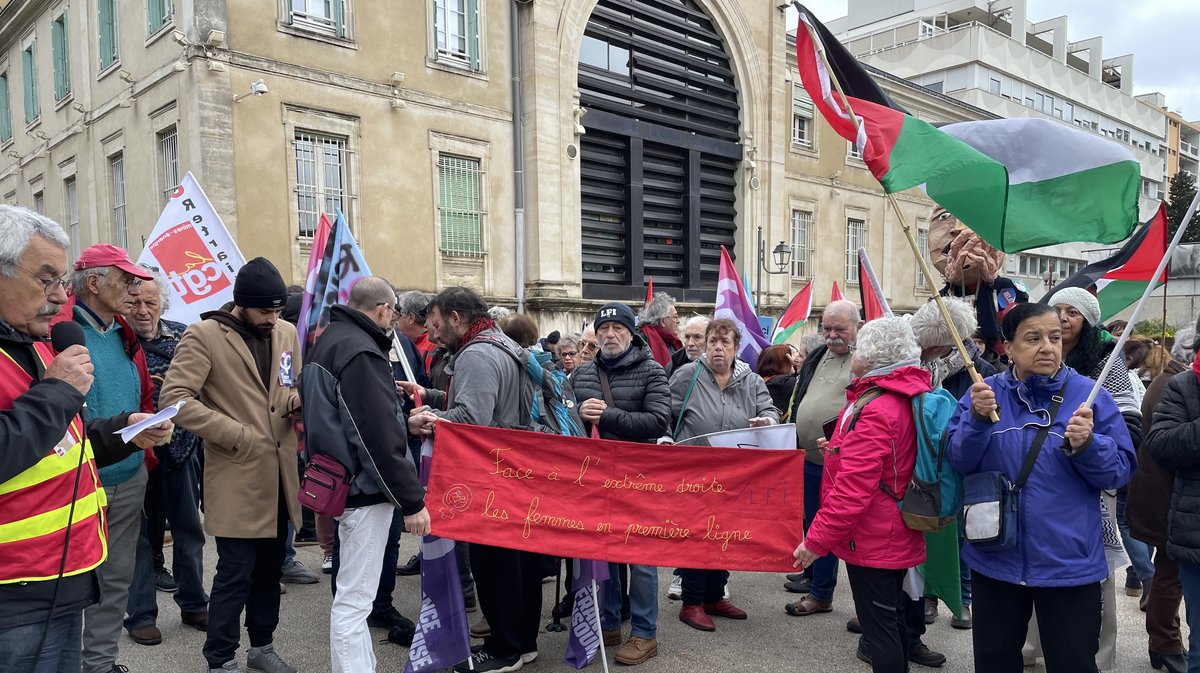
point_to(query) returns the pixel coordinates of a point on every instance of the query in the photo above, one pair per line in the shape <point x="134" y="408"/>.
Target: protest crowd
<point x="1062" y="502"/>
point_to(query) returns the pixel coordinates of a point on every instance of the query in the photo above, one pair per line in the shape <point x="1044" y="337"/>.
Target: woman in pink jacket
<point x="874" y="444"/>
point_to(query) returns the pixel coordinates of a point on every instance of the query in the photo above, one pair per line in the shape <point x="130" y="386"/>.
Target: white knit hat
<point x="1083" y="301"/>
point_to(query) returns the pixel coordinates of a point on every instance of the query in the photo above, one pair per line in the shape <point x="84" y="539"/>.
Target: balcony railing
<point x="1189" y="148"/>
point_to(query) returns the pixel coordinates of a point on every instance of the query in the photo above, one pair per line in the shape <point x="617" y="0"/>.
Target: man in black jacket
<point x="41" y="395"/>
<point x="624" y="393"/>
<point x="352" y="414"/>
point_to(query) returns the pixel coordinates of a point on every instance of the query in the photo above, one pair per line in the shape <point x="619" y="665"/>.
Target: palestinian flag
<point x="1120" y="280"/>
<point x="836" y="294"/>
<point x="1064" y="184"/>
<point x="901" y="150"/>
<point x="795" y="316"/>
<point x="874" y="301"/>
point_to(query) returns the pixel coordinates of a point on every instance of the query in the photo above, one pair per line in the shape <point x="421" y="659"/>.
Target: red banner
<point x="659" y="505"/>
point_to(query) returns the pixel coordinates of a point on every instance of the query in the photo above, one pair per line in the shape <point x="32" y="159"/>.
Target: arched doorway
<point x="660" y="155"/>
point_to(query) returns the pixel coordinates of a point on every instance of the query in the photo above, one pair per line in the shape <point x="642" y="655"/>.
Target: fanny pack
<point x="989" y="520"/>
<point x="324" y="486"/>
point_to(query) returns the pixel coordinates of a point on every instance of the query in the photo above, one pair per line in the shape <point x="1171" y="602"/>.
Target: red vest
<point x="34" y="505"/>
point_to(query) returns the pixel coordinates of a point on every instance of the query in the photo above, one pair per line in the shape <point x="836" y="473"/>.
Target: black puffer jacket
<point x="1174" y="443"/>
<point x="641" y="409"/>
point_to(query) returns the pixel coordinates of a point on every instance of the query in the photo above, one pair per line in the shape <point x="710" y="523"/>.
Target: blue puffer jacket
<point x="1059" y="543"/>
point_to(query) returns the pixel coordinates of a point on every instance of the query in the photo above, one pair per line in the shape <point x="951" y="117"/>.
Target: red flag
<point x="874" y="303"/>
<point x="836" y="295"/>
<point x="649" y="289"/>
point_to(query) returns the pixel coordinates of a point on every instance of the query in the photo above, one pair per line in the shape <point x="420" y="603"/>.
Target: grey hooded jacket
<point x="711" y="409"/>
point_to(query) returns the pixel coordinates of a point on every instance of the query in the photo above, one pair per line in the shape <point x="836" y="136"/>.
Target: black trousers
<point x="1070" y="619"/>
<point x="883" y="613"/>
<point x="703" y="586"/>
<point x="509" y="587"/>
<point x="248" y="572"/>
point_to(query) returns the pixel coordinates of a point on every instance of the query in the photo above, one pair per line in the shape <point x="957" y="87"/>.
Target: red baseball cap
<point x="104" y="254"/>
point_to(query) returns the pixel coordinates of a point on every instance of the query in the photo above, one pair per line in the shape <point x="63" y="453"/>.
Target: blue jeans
<point x="181" y="503"/>
<point x="824" y="569"/>
<point x="1189" y="578"/>
<point x="643" y="601"/>
<point x="60" y="654"/>
<point x="1139" y="552"/>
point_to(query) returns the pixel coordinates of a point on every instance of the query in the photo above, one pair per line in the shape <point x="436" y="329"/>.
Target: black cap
<point x="259" y="285"/>
<point x="615" y="312"/>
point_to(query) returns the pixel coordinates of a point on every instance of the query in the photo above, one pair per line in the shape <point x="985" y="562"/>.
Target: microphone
<point x="64" y="335"/>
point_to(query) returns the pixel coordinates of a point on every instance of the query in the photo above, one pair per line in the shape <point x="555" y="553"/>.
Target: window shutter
<point x="62" y="61"/>
<point x="801" y="104"/>
<point x="29" y="71"/>
<point x="108" y="34"/>
<point x="5" y="121"/>
<point x="473" y="33"/>
<point x="339" y="18"/>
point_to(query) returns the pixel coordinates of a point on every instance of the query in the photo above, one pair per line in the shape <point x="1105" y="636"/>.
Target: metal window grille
<point x="321" y="178"/>
<point x="168" y="156"/>
<point x="802" y="230"/>
<point x="116" y="171"/>
<point x="923" y="246"/>
<point x="72" y="207"/>
<point x="856" y="237"/>
<point x="459" y="214"/>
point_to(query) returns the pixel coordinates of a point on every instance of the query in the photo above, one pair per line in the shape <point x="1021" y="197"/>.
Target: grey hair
<point x="79" y="278"/>
<point x="413" y="302"/>
<point x="701" y="320"/>
<point x="886" y="341"/>
<point x="1184" y="348"/>
<point x="164" y="290"/>
<point x="843" y="307"/>
<point x="571" y="339"/>
<point x="812" y="342"/>
<point x="658" y="308"/>
<point x="18" y="226"/>
<point x="931" y="329"/>
<point x="498" y="313"/>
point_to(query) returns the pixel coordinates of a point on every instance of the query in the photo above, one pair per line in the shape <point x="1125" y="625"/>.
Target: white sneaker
<point x="675" y="590"/>
<point x="327" y="564"/>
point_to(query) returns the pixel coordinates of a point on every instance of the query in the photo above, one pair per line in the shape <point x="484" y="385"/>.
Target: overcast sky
<point x="1162" y="35"/>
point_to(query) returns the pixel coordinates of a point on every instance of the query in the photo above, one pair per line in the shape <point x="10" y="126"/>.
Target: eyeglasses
<point x="590" y="346"/>
<point x="395" y="311"/>
<point x="569" y="354"/>
<point x="49" y="285"/>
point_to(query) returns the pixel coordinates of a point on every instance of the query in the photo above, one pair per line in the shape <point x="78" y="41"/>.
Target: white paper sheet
<point x="134" y="430"/>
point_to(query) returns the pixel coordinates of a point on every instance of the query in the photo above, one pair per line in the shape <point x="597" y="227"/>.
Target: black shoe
<point x="1174" y="663"/>
<point x="923" y="656"/>
<point x="862" y="654"/>
<point x="390" y="618"/>
<point x="853" y="626"/>
<point x="800" y="586"/>
<point x="794" y="577"/>
<point x="564" y="609"/>
<point x="483" y="662"/>
<point x="163" y="581"/>
<point x="413" y="567"/>
<point x="931" y="610"/>
<point x="402" y="635"/>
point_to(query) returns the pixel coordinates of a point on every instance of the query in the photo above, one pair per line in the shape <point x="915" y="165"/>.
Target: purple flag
<point x="733" y="304"/>
<point x="583" y="639"/>
<point x="329" y="278"/>
<point x="441" y="640"/>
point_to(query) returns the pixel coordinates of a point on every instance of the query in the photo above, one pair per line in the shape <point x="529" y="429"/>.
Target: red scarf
<point x="662" y="341"/>
<point x="473" y="331"/>
<point x="1196" y="367"/>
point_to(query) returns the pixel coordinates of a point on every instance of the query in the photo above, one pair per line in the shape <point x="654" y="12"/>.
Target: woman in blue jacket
<point x="1057" y="563"/>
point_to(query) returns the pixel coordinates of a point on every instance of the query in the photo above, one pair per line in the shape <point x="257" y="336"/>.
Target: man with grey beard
<point x="820" y="395"/>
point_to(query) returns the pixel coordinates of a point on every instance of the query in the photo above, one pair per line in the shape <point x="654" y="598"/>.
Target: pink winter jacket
<point x="858" y="521"/>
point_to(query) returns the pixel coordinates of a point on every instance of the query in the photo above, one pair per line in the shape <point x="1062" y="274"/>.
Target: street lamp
<point x="781" y="255"/>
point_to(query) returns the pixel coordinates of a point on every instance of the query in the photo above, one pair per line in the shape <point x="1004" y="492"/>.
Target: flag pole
<point x="1119" y="349"/>
<point x="596" y="606"/>
<point x="904" y="225"/>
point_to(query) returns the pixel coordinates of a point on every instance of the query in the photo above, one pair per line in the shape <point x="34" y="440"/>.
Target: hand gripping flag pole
<point x="908" y="234"/>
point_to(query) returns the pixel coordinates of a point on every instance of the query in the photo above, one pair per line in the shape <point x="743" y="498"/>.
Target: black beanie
<point x="259" y="285"/>
<point x="615" y="311"/>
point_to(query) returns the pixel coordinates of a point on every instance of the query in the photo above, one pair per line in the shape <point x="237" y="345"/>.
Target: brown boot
<point x="637" y="650"/>
<point x="196" y="620"/>
<point x="612" y="638"/>
<point x="808" y="606"/>
<point x="146" y="635"/>
<point x="693" y="616"/>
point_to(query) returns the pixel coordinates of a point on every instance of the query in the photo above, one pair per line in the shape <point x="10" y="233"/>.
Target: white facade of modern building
<point x="990" y="55"/>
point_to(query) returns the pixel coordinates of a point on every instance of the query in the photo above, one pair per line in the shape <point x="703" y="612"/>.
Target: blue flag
<point x="583" y="639"/>
<point x="330" y="277"/>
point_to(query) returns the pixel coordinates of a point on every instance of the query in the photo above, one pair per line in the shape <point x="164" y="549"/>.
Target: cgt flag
<point x="340" y="265"/>
<point x="195" y="253"/>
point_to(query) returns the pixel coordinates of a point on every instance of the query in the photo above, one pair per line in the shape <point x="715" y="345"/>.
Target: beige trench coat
<point x="249" y="449"/>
